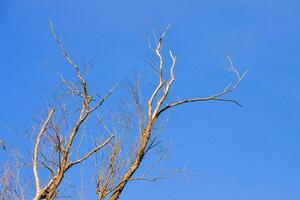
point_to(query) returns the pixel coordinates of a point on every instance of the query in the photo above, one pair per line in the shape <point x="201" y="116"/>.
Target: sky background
<point x="231" y="153"/>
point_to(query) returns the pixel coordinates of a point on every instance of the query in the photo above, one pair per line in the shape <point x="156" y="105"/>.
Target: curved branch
<point x="36" y="151"/>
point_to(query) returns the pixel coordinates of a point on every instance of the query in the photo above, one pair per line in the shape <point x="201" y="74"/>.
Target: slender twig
<point x="91" y="152"/>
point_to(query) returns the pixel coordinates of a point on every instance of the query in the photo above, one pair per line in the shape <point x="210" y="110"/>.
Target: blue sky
<point x="233" y="153"/>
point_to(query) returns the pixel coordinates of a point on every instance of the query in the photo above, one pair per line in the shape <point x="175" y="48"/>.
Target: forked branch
<point x="58" y="167"/>
<point x="156" y="106"/>
<point x="215" y="97"/>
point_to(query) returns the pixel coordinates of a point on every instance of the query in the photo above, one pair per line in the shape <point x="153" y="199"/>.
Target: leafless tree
<point x="111" y="183"/>
<point x="59" y="162"/>
<point x="120" y="154"/>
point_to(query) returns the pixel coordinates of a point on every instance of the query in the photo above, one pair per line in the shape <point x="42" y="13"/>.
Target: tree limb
<point x="36" y="151"/>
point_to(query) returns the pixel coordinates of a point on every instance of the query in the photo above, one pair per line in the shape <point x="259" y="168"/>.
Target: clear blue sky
<point x="248" y="153"/>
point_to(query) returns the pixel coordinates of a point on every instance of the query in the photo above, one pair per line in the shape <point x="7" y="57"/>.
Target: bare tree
<point x="120" y="154"/>
<point x="111" y="184"/>
<point x="63" y="145"/>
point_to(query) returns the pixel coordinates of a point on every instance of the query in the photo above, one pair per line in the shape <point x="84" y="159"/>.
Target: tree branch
<point x="103" y="99"/>
<point x="36" y="151"/>
<point x="91" y="152"/>
<point x="161" y="79"/>
<point x="215" y="97"/>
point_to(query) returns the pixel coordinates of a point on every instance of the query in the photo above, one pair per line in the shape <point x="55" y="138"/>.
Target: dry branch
<point x="63" y="145"/>
<point x="36" y="152"/>
<point x="155" y="107"/>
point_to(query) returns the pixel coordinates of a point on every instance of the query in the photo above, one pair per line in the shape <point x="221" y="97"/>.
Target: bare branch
<point x="36" y="151"/>
<point x="103" y="99"/>
<point x="91" y="152"/>
<point x="216" y="97"/>
<point x="67" y="57"/>
<point x="160" y="72"/>
<point x="169" y="84"/>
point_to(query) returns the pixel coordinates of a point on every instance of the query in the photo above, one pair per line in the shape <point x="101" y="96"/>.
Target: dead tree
<point x="56" y="138"/>
<point x="111" y="182"/>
